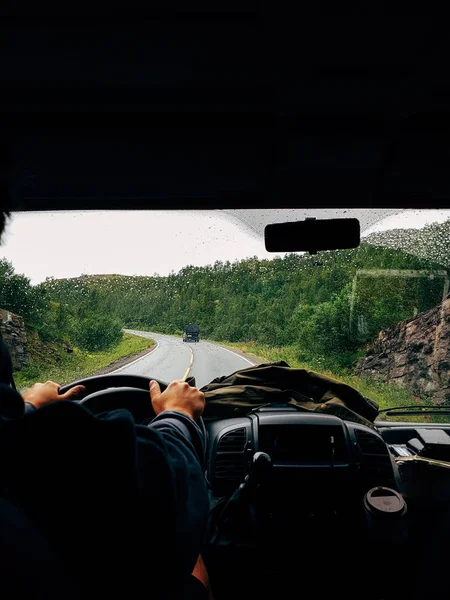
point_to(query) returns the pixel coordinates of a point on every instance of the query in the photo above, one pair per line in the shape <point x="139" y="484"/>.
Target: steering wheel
<point x="131" y="392"/>
<point x="112" y="392"/>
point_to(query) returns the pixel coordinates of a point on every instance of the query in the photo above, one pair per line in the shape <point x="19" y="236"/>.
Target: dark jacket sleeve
<point x="12" y="405"/>
<point x="11" y="402"/>
<point x="179" y="425"/>
<point x="181" y="441"/>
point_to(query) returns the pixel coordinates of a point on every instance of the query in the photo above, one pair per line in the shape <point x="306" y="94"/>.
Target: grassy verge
<point x="384" y="394"/>
<point x="64" y="368"/>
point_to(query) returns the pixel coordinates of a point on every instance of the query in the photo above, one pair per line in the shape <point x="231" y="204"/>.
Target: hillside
<point x="430" y="243"/>
<point x="297" y="300"/>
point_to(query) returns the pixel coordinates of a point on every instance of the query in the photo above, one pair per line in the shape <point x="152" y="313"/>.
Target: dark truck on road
<point x="191" y="333"/>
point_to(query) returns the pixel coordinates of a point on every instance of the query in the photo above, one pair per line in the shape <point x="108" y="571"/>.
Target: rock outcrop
<point x="13" y="331"/>
<point x="414" y="354"/>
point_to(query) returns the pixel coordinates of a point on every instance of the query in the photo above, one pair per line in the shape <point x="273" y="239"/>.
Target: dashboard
<point x="302" y="447"/>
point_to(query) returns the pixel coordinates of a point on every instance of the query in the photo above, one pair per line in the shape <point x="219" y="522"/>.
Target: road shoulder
<point x="123" y="362"/>
<point x="256" y="360"/>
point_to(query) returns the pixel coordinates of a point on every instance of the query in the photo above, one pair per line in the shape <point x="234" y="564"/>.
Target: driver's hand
<point x="41" y="394"/>
<point x="180" y="396"/>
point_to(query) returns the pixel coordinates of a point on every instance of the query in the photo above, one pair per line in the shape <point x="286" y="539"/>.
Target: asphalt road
<point x="173" y="359"/>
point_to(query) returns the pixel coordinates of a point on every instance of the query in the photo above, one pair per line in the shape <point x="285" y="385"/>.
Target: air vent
<point x="370" y="443"/>
<point x="230" y="467"/>
<point x="376" y="467"/>
<point x="233" y="441"/>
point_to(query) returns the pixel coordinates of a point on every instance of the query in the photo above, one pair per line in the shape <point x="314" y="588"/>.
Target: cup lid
<point x="384" y="501"/>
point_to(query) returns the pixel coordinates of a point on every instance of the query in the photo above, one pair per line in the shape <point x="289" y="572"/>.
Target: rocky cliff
<point x="414" y="354"/>
<point x="13" y="331"/>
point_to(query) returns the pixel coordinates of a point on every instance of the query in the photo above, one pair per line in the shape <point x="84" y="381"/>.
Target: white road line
<point x="235" y="353"/>
<point x="137" y="359"/>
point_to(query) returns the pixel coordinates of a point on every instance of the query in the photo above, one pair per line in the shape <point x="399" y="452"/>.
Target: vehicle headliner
<point x="237" y="106"/>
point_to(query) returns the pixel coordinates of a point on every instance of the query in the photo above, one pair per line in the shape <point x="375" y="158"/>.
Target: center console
<point x="310" y="494"/>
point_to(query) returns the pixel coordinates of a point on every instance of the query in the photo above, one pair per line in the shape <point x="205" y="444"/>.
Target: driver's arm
<point x="177" y="410"/>
<point x="37" y="396"/>
<point x="169" y="461"/>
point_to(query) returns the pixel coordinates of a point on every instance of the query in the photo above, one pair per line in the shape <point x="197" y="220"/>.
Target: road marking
<point x="137" y="359"/>
<point x="235" y="353"/>
<point x="186" y="373"/>
<point x="188" y="370"/>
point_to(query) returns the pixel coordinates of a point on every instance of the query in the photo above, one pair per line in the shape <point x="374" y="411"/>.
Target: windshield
<point x="194" y="293"/>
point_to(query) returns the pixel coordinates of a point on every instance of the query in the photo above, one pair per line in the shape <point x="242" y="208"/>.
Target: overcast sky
<point x="67" y="244"/>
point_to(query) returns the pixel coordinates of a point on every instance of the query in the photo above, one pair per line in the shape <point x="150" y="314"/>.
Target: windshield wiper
<point x="415" y="410"/>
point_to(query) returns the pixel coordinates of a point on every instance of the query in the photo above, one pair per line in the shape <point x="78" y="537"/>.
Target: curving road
<point x="173" y="359"/>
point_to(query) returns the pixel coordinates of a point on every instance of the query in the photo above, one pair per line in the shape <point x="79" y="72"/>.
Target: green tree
<point x="98" y="333"/>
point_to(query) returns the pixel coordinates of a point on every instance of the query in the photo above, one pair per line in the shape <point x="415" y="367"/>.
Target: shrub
<point x="98" y="333"/>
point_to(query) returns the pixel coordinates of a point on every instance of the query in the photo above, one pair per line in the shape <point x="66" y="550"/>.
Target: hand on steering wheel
<point x="179" y="396"/>
<point x="131" y="392"/>
<point x="41" y="394"/>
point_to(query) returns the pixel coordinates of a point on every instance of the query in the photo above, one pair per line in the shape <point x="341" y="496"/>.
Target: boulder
<point x="414" y="354"/>
<point x="13" y="331"/>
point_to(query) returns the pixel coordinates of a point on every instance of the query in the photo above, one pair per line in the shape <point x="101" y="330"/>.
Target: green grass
<point x="80" y="363"/>
<point x="384" y="394"/>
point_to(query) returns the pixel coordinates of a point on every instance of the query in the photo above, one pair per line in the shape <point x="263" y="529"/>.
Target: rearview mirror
<point x="312" y="235"/>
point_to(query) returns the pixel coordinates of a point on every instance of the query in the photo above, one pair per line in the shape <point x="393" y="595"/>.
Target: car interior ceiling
<point x="308" y="106"/>
<point x="298" y="124"/>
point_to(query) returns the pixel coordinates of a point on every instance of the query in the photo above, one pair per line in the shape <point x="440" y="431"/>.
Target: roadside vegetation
<point x="53" y="361"/>
<point x="66" y="340"/>
<point x="303" y="302"/>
